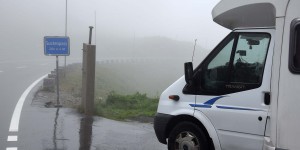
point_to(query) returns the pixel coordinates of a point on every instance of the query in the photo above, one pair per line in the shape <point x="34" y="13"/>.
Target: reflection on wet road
<point x="65" y="129"/>
<point x="86" y="132"/>
<point x="55" y="128"/>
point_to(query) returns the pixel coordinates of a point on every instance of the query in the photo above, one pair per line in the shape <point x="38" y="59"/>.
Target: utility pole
<point x="66" y="33"/>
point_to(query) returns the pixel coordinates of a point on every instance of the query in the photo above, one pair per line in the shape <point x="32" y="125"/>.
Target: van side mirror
<point x="188" y="72"/>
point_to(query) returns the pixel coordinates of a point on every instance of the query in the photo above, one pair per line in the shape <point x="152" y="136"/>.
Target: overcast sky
<point x="24" y="23"/>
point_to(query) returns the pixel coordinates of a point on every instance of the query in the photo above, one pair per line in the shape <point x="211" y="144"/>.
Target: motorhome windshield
<point x="237" y="65"/>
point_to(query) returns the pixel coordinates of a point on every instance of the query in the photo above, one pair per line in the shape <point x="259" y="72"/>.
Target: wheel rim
<point x="187" y="141"/>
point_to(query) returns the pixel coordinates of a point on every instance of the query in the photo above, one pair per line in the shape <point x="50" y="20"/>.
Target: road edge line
<point x="14" y="123"/>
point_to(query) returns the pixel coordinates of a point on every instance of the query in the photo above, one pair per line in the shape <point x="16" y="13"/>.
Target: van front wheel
<point x="187" y="136"/>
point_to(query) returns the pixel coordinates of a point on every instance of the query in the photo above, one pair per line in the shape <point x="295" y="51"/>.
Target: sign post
<point x="57" y="46"/>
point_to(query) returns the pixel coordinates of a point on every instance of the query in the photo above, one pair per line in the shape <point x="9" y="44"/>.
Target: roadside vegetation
<point x="122" y="91"/>
<point x="121" y="107"/>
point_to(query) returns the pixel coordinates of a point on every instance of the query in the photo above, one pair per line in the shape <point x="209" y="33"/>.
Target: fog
<point x="123" y="28"/>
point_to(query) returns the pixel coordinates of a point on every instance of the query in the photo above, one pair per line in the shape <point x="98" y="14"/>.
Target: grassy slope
<point x="127" y="81"/>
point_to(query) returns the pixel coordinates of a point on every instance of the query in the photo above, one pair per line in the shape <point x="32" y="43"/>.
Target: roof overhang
<point x="248" y="13"/>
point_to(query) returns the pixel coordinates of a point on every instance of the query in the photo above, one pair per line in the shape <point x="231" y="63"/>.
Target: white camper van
<point x="244" y="94"/>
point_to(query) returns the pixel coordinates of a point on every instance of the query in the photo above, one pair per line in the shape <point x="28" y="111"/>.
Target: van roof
<point x="248" y="13"/>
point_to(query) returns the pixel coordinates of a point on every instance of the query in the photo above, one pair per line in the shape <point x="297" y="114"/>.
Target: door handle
<point x="267" y="98"/>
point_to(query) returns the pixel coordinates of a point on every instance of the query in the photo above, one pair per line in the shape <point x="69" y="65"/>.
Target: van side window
<point x="217" y="70"/>
<point x="294" y="56"/>
<point x="237" y="66"/>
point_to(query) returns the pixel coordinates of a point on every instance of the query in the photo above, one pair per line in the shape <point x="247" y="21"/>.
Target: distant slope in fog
<point x="150" y="76"/>
<point x="127" y="78"/>
<point x="146" y="77"/>
<point x="158" y="47"/>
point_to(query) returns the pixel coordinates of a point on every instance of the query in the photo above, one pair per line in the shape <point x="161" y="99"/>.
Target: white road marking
<point x="14" y="124"/>
<point x="11" y="148"/>
<point x="12" y="138"/>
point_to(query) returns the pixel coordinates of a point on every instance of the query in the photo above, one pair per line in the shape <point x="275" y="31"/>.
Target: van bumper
<point x="160" y="126"/>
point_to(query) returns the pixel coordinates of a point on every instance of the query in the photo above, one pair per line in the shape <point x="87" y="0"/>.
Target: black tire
<point x="187" y="136"/>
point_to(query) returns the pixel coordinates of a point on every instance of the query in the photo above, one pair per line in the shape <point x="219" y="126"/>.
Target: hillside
<point x="150" y="77"/>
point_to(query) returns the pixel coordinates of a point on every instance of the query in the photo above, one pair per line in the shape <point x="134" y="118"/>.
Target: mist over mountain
<point x="114" y="47"/>
<point x="148" y="47"/>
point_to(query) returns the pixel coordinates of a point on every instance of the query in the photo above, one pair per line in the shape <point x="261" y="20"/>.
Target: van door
<point x="233" y="85"/>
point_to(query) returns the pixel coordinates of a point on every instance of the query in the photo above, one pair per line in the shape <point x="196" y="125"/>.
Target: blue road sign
<point x="56" y="45"/>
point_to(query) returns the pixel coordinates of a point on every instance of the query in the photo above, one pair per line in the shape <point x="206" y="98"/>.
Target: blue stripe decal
<point x="237" y="108"/>
<point x="200" y="105"/>
<point x="213" y="100"/>
<point x="209" y="103"/>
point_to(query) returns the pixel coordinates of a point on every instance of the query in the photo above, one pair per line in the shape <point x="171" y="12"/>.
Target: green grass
<point x="127" y="81"/>
<point x="120" y="107"/>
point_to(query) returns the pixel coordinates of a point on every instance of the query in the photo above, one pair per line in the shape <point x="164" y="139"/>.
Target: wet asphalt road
<point x="15" y="77"/>
<point x="64" y="129"/>
<point x="43" y="128"/>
